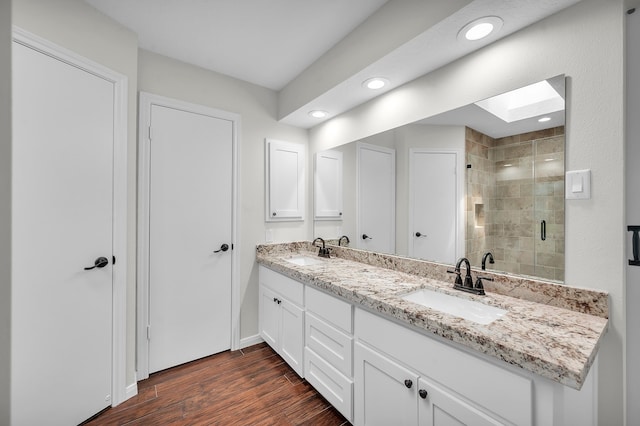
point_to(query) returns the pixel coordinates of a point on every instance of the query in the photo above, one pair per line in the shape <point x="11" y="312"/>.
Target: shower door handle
<point x="543" y="230"/>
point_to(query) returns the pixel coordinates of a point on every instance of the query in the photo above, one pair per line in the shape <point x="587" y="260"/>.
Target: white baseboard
<point x="250" y="341"/>
<point x="131" y="390"/>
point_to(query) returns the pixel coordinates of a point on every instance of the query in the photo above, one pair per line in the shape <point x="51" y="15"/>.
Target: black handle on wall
<point x="543" y="230"/>
<point x="636" y="244"/>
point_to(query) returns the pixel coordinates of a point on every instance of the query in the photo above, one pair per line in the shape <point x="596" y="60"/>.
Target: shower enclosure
<point x="515" y="202"/>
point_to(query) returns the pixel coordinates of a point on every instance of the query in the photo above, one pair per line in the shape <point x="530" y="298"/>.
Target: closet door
<point x="433" y="205"/>
<point x="63" y="157"/>
<point x="190" y="222"/>
<point x="376" y="198"/>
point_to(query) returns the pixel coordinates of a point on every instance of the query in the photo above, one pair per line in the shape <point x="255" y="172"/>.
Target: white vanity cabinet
<point x="378" y="371"/>
<point x="389" y="393"/>
<point x="329" y="348"/>
<point x="327" y="187"/>
<point x="285" y="181"/>
<point x="395" y="367"/>
<point x="281" y="316"/>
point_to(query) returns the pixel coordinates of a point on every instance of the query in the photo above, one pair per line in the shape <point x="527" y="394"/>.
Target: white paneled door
<point x="190" y="232"/>
<point x="62" y="206"/>
<point x="433" y="206"/>
<point x="632" y="200"/>
<point x="376" y="198"/>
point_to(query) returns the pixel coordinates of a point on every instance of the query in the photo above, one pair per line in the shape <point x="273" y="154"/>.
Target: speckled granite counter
<point x="551" y="330"/>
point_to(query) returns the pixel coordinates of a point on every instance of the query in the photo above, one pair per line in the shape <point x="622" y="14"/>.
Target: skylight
<point x="527" y="102"/>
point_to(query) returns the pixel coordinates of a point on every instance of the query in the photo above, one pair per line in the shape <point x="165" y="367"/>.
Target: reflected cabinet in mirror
<point x="484" y="178"/>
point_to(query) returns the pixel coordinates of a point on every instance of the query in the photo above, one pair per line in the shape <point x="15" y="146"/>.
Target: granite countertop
<point x="559" y="343"/>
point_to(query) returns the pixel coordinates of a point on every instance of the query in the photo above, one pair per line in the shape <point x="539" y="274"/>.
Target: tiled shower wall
<point x="513" y="184"/>
<point x="481" y="183"/>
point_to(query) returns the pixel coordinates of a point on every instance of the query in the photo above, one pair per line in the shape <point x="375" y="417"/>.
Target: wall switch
<point x="578" y="185"/>
<point x="268" y="236"/>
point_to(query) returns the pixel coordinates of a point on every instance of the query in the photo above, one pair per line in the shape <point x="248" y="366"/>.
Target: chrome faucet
<point x="484" y="260"/>
<point x="323" y="251"/>
<point x="344" y="237"/>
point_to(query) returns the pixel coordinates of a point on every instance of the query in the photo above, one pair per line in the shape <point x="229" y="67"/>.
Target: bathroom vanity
<point x="347" y="326"/>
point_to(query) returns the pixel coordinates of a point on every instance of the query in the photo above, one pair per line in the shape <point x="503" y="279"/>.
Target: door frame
<point x="460" y="197"/>
<point x="119" y="214"/>
<point x="146" y="101"/>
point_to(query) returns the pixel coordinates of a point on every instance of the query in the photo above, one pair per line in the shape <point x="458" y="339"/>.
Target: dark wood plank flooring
<point x="252" y="386"/>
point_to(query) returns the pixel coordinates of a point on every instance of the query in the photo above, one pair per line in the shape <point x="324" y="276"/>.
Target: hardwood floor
<point x="253" y="386"/>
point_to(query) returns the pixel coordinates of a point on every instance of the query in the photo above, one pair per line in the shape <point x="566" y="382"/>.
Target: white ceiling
<point x="265" y="42"/>
<point x="271" y="43"/>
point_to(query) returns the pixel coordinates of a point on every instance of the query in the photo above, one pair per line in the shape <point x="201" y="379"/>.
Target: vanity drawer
<point x="330" y="308"/>
<point x="329" y="382"/>
<point x="287" y="287"/>
<point x="328" y="342"/>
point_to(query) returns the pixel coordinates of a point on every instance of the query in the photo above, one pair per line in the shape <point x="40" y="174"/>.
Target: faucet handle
<point x="479" y="284"/>
<point x="458" y="277"/>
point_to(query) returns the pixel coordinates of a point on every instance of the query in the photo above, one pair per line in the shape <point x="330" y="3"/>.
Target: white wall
<point x="257" y="106"/>
<point x="5" y="211"/>
<point x="75" y="25"/>
<point x="585" y="43"/>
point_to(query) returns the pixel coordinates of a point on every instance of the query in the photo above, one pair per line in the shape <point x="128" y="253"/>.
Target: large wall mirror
<point x="484" y="178"/>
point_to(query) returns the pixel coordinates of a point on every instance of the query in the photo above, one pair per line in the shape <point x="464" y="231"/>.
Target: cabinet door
<point x="292" y="335"/>
<point x="285" y="181"/>
<point x="327" y="188"/>
<point x="269" y="317"/>
<point x="385" y="392"/>
<point x="438" y="407"/>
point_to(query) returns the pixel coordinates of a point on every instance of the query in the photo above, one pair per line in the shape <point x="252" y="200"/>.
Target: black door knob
<point x="408" y="383"/>
<point x="423" y="393"/>
<point x="366" y="237"/>
<point x="223" y="247"/>
<point x="418" y="234"/>
<point x="100" y="262"/>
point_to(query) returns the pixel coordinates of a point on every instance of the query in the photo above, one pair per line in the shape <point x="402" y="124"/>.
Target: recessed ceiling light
<point x="480" y="28"/>
<point x="375" y="83"/>
<point x="318" y="113"/>
<point x="508" y="165"/>
<point x="544" y="119"/>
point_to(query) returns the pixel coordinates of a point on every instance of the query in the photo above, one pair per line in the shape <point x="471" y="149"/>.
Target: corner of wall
<point x="5" y="212"/>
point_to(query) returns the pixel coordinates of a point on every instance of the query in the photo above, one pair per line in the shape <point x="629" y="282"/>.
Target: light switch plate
<point x="578" y="185"/>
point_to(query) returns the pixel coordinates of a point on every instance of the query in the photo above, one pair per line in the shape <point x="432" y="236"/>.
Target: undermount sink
<point x="304" y="261"/>
<point x="457" y="306"/>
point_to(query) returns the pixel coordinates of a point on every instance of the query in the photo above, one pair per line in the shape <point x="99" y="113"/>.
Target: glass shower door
<point x="549" y="206"/>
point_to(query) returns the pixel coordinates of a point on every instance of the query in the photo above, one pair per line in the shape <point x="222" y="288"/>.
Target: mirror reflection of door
<point x="433" y="205"/>
<point x="376" y="198"/>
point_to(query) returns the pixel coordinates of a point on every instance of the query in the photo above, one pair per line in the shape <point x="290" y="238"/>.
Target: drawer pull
<point x="408" y="383"/>
<point x="423" y="393"/>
